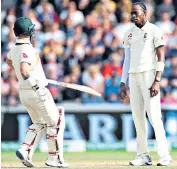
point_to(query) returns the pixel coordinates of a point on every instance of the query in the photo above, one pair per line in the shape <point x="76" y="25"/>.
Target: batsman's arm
<point x="9" y="62"/>
<point x="25" y="64"/>
<point x="25" y="72"/>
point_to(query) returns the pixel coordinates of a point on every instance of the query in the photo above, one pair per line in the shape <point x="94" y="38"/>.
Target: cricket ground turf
<point x="87" y="160"/>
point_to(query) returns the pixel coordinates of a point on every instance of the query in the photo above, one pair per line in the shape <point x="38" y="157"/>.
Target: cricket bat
<point x="74" y="86"/>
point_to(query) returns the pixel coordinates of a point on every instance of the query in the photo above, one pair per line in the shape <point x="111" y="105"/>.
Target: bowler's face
<point x="138" y="15"/>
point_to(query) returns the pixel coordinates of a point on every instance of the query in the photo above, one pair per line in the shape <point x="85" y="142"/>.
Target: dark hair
<point x="141" y="4"/>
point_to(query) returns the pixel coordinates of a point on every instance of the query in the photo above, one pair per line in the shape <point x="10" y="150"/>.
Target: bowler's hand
<point x="154" y="89"/>
<point x="123" y="92"/>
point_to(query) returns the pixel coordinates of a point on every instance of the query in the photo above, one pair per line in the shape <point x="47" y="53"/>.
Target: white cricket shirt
<point x="27" y="53"/>
<point x="142" y="43"/>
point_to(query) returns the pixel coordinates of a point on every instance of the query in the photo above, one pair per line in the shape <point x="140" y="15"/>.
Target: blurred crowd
<point x="81" y="42"/>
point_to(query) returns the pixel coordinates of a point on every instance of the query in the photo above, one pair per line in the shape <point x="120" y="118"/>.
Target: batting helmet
<point x="23" y="26"/>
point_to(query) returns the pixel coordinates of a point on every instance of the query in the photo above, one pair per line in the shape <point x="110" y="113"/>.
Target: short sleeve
<point x="126" y="43"/>
<point x="158" y="38"/>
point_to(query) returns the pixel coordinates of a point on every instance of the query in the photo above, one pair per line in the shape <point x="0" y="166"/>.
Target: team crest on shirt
<point x="130" y="36"/>
<point x="145" y="37"/>
<point x="24" y="55"/>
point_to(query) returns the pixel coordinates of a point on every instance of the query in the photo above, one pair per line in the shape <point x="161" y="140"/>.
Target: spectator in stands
<point x="52" y="73"/>
<point x="172" y="42"/>
<point x="46" y="13"/>
<point x="127" y="5"/>
<point x="171" y="63"/>
<point x="109" y="5"/>
<point x="112" y="88"/>
<point x="13" y="97"/>
<point x="167" y="5"/>
<point x="164" y="83"/>
<point x="123" y="6"/>
<point x="173" y="78"/>
<point x="79" y="52"/>
<point x="75" y="15"/>
<point x="122" y="27"/>
<point x="150" y="6"/>
<point x="39" y="37"/>
<point x="7" y="26"/>
<point x="95" y="47"/>
<point x="84" y="6"/>
<point x="32" y="16"/>
<point x="79" y="35"/>
<point x="116" y="43"/>
<point x="92" y="21"/>
<point x="69" y="47"/>
<point x="65" y="38"/>
<point x="11" y="38"/>
<point x="56" y="34"/>
<point x="166" y="25"/>
<point x="168" y="97"/>
<point x="175" y="20"/>
<point x="93" y="78"/>
<point x="107" y="11"/>
<point x="75" y="54"/>
<point x="107" y="32"/>
<point x="174" y="61"/>
<point x="69" y="29"/>
<point x="73" y="77"/>
<point x="24" y="8"/>
<point x="52" y="58"/>
<point x="63" y="8"/>
<point x="112" y="65"/>
<point x="5" y="90"/>
<point x="52" y="47"/>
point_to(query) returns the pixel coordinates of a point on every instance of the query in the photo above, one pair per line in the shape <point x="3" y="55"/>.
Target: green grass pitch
<point x="87" y="160"/>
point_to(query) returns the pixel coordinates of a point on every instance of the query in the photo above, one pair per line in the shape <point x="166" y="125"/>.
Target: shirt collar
<point x="145" y="27"/>
<point x="26" y="40"/>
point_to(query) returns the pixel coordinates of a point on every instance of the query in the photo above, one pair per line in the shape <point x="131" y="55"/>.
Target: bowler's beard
<point x="140" y="25"/>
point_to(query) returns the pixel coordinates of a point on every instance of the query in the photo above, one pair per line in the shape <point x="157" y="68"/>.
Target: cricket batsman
<point x="144" y="62"/>
<point x="37" y="99"/>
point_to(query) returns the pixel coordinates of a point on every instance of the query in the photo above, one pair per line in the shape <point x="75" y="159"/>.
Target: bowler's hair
<point x="141" y="4"/>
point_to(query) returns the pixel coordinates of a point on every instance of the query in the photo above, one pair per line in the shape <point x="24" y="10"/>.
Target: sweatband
<point x="160" y="66"/>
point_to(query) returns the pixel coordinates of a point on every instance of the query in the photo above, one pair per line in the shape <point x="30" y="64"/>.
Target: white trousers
<point x="40" y="112"/>
<point x="44" y="113"/>
<point x="141" y="102"/>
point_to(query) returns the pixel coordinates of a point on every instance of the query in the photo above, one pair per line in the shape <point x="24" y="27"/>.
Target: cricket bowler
<point x="144" y="63"/>
<point x="46" y="117"/>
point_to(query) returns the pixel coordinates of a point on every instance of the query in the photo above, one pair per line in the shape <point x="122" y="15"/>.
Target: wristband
<point x="157" y="79"/>
<point x="160" y="66"/>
